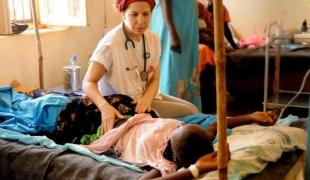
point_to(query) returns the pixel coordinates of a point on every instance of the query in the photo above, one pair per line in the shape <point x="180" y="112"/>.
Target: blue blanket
<point x="24" y="114"/>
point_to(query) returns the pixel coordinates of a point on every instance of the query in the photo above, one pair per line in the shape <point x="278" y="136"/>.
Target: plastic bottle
<point x="73" y="60"/>
<point x="279" y="29"/>
<point x="279" y="32"/>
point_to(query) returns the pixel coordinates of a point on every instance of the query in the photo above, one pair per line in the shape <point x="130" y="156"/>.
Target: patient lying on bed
<point x="168" y="144"/>
<point x="147" y="139"/>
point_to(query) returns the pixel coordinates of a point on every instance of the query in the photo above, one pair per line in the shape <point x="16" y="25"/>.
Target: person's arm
<point x="144" y="104"/>
<point x="261" y="118"/>
<point x="229" y="36"/>
<point x="205" y="37"/>
<point x="92" y="76"/>
<point x="155" y="174"/>
<point x="175" y="39"/>
<point x="204" y="164"/>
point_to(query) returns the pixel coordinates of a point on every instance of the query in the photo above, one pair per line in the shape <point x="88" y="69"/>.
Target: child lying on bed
<point x="77" y="113"/>
<point x="169" y="144"/>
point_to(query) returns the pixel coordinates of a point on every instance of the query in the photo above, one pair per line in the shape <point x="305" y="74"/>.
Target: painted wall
<point x="250" y="17"/>
<point x="18" y="53"/>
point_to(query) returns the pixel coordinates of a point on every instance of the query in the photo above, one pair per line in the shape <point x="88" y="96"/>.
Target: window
<point x="63" y="12"/>
<point x="50" y="12"/>
<point x="20" y="11"/>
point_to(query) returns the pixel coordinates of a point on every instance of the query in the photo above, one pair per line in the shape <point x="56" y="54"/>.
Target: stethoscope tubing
<point x="146" y="55"/>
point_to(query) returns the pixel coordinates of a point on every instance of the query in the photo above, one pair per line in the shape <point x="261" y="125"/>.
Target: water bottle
<point x="72" y="79"/>
<point x="279" y="29"/>
<point x="279" y="32"/>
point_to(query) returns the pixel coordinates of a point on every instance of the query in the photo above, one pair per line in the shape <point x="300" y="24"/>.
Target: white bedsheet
<point x="253" y="146"/>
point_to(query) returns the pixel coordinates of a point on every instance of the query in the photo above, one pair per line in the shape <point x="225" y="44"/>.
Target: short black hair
<point x="191" y="145"/>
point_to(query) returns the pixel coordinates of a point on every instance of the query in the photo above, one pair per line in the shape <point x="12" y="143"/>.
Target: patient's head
<point x="190" y="142"/>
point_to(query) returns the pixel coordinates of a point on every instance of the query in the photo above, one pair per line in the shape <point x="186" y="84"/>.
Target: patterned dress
<point x="81" y="118"/>
<point x="178" y="75"/>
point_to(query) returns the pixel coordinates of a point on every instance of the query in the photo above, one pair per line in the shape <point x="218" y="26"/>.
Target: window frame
<point x="5" y="25"/>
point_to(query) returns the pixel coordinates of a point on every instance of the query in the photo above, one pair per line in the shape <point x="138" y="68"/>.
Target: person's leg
<point x="172" y="107"/>
<point x="208" y="90"/>
<point x="191" y="106"/>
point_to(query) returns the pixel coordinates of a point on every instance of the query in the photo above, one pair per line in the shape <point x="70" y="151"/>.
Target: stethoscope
<point x="143" y="74"/>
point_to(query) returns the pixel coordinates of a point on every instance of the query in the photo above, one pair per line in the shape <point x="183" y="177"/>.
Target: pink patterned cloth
<point x="142" y="141"/>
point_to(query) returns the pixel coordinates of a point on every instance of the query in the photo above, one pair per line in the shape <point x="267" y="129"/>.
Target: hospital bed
<point x="256" y="151"/>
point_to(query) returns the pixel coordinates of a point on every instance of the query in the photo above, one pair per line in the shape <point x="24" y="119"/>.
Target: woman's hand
<point x="175" y="45"/>
<point x="108" y="114"/>
<point x="143" y="104"/>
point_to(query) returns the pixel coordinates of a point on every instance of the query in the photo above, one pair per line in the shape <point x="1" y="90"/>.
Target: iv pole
<point x="38" y="42"/>
<point x="220" y="64"/>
